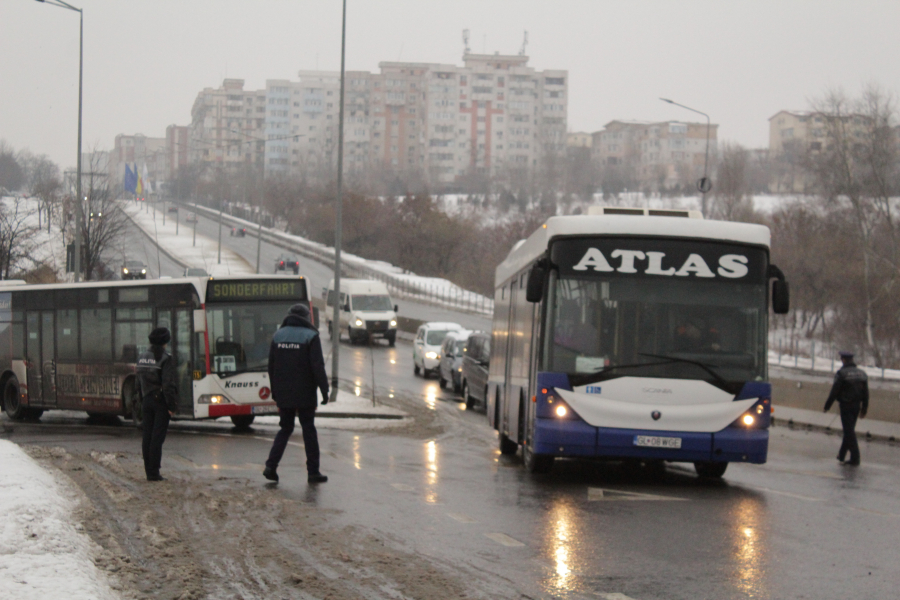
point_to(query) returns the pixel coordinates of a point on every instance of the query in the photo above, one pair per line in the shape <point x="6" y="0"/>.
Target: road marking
<point x="502" y="538"/>
<point x="825" y="474"/>
<point x="616" y="596"/>
<point x="790" y="495"/>
<point x="403" y="487"/>
<point x="461" y="518"/>
<point x="600" y="494"/>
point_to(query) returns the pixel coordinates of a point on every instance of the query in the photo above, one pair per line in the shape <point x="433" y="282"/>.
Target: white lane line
<point x="616" y="596"/>
<point x="601" y="494"/>
<point x="461" y="518"/>
<point x="502" y="538"/>
<point x="789" y="494"/>
<point x="403" y="487"/>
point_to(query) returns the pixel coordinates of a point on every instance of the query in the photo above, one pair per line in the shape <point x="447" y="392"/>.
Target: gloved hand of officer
<point x="324" y="398"/>
<point x="862" y="414"/>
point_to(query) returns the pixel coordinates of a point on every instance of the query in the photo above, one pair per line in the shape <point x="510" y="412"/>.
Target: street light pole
<point x="79" y="200"/>
<point x="336" y="316"/>
<point x="704" y="184"/>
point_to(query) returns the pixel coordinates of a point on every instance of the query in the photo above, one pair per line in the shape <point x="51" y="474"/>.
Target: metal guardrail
<point x="459" y="299"/>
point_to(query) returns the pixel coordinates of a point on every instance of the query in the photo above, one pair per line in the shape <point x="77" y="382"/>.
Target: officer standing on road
<point x="851" y="390"/>
<point x="159" y="398"/>
<point x="296" y="371"/>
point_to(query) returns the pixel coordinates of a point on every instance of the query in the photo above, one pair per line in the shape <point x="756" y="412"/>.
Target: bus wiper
<point x="704" y="366"/>
<point x="227" y="374"/>
<point x="601" y="374"/>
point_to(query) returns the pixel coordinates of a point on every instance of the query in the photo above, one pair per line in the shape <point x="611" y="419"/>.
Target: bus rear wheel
<point x="711" y="470"/>
<point x="13" y="402"/>
<point x="507" y="446"/>
<point x="242" y="421"/>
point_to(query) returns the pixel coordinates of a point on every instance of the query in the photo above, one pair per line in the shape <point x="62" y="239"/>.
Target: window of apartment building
<point x="555" y="80"/>
<point x="462" y="131"/>
<point x="462" y="105"/>
<point x="787" y="133"/>
<point x="463" y="80"/>
<point x="500" y="81"/>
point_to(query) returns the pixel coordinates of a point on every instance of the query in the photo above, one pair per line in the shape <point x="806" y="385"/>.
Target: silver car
<point x="450" y="367"/>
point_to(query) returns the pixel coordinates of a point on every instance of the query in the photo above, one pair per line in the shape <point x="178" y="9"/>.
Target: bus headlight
<point x="212" y="399"/>
<point x="748" y="420"/>
<point x="561" y="411"/>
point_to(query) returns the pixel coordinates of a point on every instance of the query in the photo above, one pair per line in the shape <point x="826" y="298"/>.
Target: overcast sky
<point x="146" y="60"/>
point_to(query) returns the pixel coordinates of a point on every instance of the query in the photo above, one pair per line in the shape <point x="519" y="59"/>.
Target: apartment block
<point x="228" y="125"/>
<point x="654" y="155"/>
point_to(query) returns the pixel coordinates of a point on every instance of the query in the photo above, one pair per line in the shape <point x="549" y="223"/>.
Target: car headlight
<point x="358" y="322"/>
<point x="431" y="355"/>
<point x="143" y="271"/>
<point x="212" y="399"/>
<point x="124" y="270"/>
<point x="393" y="322"/>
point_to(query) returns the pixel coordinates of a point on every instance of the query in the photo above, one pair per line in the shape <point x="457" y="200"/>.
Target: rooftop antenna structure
<point x="466" y="41"/>
<point x="524" y="44"/>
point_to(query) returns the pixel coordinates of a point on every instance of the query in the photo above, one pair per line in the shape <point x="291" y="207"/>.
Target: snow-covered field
<point x="43" y="554"/>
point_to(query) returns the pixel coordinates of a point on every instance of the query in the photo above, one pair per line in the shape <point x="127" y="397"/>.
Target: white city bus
<point x="74" y="346"/>
<point x="635" y="334"/>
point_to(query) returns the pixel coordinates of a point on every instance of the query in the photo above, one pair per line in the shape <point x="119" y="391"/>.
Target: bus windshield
<point x="657" y="327"/>
<point x="240" y="334"/>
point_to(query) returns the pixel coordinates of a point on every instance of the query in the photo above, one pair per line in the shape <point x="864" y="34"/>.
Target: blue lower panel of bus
<point x="576" y="438"/>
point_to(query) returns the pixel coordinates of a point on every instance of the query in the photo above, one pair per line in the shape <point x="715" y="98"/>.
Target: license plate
<point x="653" y="441"/>
<point x="264" y="410"/>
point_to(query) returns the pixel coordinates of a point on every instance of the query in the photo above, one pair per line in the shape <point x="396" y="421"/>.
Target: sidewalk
<point x="822" y="421"/>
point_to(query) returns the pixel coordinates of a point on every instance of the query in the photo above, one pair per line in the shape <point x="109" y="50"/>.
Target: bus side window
<point x="67" y="334"/>
<point x="96" y="339"/>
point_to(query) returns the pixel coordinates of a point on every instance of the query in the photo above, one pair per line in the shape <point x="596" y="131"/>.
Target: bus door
<point x="505" y="395"/>
<point x="33" y="356"/>
<point x="179" y="324"/>
<point x="48" y="357"/>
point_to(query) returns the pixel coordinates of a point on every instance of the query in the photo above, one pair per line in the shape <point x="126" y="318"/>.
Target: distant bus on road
<point x="635" y="336"/>
<point x="74" y="346"/>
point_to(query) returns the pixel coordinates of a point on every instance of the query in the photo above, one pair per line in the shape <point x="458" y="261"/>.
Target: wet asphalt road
<point x="800" y="526"/>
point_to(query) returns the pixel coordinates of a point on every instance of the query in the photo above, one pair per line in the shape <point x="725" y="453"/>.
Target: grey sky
<point x="146" y="60"/>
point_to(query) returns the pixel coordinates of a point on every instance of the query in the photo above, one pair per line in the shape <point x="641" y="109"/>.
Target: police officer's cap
<point x="845" y="354"/>
<point x="301" y="310"/>
<point x="160" y="336"/>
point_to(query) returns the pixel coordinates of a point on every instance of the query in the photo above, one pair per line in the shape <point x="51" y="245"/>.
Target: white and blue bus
<point x="635" y="334"/>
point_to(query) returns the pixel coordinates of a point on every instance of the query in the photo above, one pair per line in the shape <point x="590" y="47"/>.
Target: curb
<point x="867" y="436"/>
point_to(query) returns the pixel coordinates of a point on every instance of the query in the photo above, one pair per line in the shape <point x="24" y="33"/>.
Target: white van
<point x="366" y="310"/>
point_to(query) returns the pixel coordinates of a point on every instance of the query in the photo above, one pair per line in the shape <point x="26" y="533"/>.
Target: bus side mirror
<point x="534" y="290"/>
<point x="781" y="294"/>
<point x="781" y="297"/>
<point x="396" y="310"/>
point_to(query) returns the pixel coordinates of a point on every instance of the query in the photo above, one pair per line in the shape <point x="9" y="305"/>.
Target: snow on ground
<point x="177" y="237"/>
<point x="42" y="553"/>
<point x="48" y="248"/>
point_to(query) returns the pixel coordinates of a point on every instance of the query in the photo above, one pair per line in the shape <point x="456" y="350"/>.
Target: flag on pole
<point x="146" y="179"/>
<point x="130" y="180"/>
<point x="140" y="182"/>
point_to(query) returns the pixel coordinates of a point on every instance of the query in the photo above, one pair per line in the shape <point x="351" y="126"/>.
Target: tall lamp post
<point x="78" y="198"/>
<point x="703" y="184"/>
<point x="336" y="317"/>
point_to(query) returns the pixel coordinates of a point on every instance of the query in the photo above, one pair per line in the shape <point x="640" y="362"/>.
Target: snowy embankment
<point x="433" y="290"/>
<point x="42" y="552"/>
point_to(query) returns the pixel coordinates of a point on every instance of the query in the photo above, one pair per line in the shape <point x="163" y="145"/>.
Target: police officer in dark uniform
<point x="296" y="372"/>
<point x="159" y="398"/>
<point x="851" y="390"/>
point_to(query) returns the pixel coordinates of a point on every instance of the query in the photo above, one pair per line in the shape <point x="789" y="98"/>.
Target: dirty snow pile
<point x="42" y="553"/>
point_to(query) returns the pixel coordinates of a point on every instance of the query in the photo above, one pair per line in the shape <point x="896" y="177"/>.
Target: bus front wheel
<point x="536" y="463"/>
<point x="712" y="470"/>
<point x="13" y="402"/>
<point x="242" y="421"/>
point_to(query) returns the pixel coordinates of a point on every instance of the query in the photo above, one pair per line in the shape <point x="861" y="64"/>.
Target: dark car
<point x="238" y="231"/>
<point x="475" y="363"/>
<point x="172" y="208"/>
<point x="134" y="269"/>
<point x="195" y="272"/>
<point x="287" y="261"/>
<point x="191" y="218"/>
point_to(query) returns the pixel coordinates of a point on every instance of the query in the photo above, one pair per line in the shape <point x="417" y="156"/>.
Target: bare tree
<point x="12" y="175"/>
<point x="16" y="235"/>
<point x="858" y="168"/>
<point x="104" y="224"/>
<point x="45" y="184"/>
<point x="732" y="199"/>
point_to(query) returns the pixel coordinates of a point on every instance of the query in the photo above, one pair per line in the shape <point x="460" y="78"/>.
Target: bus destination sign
<point x="276" y="289"/>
